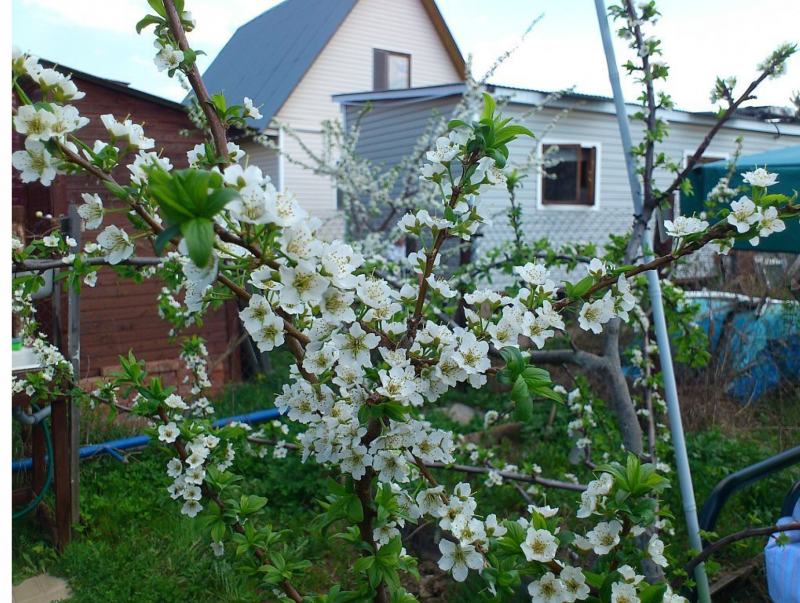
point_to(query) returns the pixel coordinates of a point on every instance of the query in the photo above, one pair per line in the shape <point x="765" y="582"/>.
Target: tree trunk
<point x="622" y="404"/>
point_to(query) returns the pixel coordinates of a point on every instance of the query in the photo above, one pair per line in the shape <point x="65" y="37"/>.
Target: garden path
<point x="41" y="589"/>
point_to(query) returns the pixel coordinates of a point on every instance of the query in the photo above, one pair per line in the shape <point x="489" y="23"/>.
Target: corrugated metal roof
<point x="267" y="57"/>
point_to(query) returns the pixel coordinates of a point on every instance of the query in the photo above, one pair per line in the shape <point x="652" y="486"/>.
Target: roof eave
<point x="446" y="36"/>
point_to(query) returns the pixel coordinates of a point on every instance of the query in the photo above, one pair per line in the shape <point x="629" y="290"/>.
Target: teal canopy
<point x="784" y="162"/>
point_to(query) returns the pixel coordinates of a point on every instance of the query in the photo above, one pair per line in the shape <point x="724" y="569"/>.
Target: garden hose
<point x="48" y="478"/>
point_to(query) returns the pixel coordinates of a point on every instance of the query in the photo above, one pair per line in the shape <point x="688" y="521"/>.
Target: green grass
<point x="134" y="545"/>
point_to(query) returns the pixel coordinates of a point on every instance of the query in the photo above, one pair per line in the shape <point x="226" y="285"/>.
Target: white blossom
<point x="459" y="559"/>
<point x="594" y="315"/>
<point x="91" y="211"/>
<point x="547" y="589"/>
<point x="655" y="550"/>
<point x="168" y="57"/>
<point x="683" y="226"/>
<point x="35" y="162"/>
<point x="605" y="536"/>
<point x="743" y="214"/>
<point x="35" y="123"/>
<point x="539" y="545"/>
<point x="116" y="243"/>
<point x="760" y="177"/>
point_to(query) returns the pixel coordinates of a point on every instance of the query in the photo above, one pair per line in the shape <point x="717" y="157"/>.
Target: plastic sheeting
<point x="757" y="342"/>
<point x="783" y="563"/>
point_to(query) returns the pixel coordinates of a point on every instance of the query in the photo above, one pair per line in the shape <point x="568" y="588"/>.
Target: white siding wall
<point x="614" y="208"/>
<point x="345" y="65"/>
<point x="267" y="159"/>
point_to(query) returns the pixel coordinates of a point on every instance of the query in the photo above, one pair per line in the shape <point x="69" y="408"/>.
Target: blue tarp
<point x="760" y="346"/>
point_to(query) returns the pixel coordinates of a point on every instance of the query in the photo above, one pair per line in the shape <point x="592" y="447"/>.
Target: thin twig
<point x="723" y="542"/>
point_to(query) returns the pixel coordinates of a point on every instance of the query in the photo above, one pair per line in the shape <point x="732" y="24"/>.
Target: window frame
<point x="385" y="54"/>
<point x="564" y="143"/>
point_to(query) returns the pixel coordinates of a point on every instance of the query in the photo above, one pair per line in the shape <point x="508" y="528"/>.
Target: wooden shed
<point x="120" y="315"/>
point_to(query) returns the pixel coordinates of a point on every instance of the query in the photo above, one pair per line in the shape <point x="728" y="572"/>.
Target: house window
<point x="572" y="180"/>
<point x="391" y="70"/>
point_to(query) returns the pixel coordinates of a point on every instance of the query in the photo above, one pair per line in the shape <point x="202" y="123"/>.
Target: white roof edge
<point x="588" y="103"/>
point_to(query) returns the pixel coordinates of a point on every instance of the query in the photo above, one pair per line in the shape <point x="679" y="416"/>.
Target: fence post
<point x="74" y="352"/>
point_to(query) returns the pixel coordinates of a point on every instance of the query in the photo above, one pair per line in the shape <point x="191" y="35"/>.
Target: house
<point x="118" y="315"/>
<point x="305" y="61"/>
<point x="293" y="59"/>
<point x="590" y="196"/>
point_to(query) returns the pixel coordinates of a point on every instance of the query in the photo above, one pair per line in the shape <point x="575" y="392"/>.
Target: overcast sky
<point x="702" y="39"/>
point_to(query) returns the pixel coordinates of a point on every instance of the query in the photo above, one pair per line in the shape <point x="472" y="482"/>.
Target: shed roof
<point x="788" y="157"/>
<point x="267" y="57"/>
<point x="116" y="85"/>
<point x="589" y="102"/>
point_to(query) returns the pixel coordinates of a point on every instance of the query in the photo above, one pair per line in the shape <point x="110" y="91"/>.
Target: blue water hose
<point x="113" y="447"/>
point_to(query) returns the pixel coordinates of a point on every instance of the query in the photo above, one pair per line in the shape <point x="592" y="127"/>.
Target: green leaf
<point x="498" y="157"/>
<point x="165" y="236"/>
<point x="654" y="593"/>
<point x="605" y="590"/>
<point x="488" y="107"/>
<point x="278" y="561"/>
<point x="593" y="579"/>
<point x="199" y="235"/>
<point x="146" y="22"/>
<point x="217" y="200"/>
<point x="168" y="198"/>
<point x="393" y="547"/>
<point x="335" y="487"/>
<point x="116" y="190"/>
<point x="580" y="288"/>
<point x="545" y="391"/>
<point x="375" y="575"/>
<point x="533" y="374"/>
<point x="516" y="131"/>
<point x="363" y="564"/>
<point x="520" y="391"/>
<point x="158" y="6"/>
<point x="523" y="405"/>
<point x="515" y="362"/>
<point x="456" y="123"/>
<point x="355" y="511"/>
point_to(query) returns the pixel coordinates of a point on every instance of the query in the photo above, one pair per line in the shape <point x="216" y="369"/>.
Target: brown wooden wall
<point x="120" y="315"/>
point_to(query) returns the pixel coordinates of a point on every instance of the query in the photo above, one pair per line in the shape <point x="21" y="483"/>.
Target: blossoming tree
<point x="368" y="356"/>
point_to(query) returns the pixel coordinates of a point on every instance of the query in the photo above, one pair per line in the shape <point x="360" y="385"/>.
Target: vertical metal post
<point x="659" y="320"/>
<point x="74" y="353"/>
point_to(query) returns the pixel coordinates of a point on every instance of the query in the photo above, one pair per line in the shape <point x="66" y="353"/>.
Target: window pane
<point x="587" y="176"/>
<point x="563" y="188"/>
<point x="399" y="71"/>
<point x="379" y="68"/>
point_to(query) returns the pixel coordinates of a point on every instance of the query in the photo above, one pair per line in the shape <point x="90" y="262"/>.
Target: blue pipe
<point x="138" y="441"/>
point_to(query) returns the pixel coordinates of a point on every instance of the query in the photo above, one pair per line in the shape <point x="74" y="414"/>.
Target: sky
<point x="701" y="39"/>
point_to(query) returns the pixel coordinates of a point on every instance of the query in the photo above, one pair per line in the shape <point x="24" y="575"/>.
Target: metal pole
<point x="659" y="320"/>
<point x="74" y="354"/>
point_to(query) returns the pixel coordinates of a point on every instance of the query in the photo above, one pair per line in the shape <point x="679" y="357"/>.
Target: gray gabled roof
<point x="267" y="57"/>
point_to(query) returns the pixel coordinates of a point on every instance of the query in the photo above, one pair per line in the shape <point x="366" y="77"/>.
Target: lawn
<point x="134" y="545"/>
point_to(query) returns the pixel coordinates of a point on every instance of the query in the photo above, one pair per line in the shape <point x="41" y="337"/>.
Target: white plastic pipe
<point x="659" y="320"/>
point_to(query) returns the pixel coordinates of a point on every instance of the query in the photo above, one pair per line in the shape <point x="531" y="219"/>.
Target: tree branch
<point x="531" y="479"/>
<point x="40" y="265"/>
<point x="723" y="542"/>
<point x="199" y="87"/>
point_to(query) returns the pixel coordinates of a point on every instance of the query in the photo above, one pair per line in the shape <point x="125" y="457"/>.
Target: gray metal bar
<point x="659" y="320"/>
<point x="74" y="354"/>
